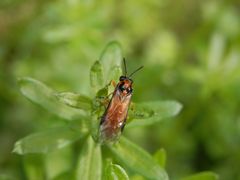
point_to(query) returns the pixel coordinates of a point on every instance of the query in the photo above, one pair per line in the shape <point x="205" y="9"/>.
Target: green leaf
<point x="34" y="166"/>
<point x="42" y="95"/>
<point x="58" y="162"/>
<point x="97" y="111"/>
<point x="102" y="92"/>
<point x="96" y="76"/>
<point x="108" y="68"/>
<point x="65" y="176"/>
<point x="47" y="141"/>
<point x="90" y="161"/>
<point x="137" y="177"/>
<point x="160" y="157"/>
<point x="138" y="160"/>
<point x="75" y="100"/>
<point x="201" y="176"/>
<point x="216" y="52"/>
<point x="114" y="172"/>
<point x="152" y="112"/>
<point x="111" y="60"/>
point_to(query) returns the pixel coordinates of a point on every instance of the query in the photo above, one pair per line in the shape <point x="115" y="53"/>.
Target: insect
<point x="114" y="118"/>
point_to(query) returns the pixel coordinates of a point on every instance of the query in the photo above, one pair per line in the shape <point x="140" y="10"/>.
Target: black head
<point x="123" y="78"/>
<point x="125" y="85"/>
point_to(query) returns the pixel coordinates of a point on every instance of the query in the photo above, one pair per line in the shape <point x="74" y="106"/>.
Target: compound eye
<point x="122" y="88"/>
<point x="122" y="78"/>
<point x="129" y="90"/>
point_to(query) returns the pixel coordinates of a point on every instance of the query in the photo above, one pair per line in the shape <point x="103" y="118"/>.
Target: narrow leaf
<point x="34" y="166"/>
<point x="75" y="100"/>
<point x="216" y="51"/>
<point x="160" y="157"/>
<point x="96" y="76"/>
<point x="138" y="160"/>
<point x="58" y="162"/>
<point x="111" y="59"/>
<point x="65" y="176"/>
<point x="152" y="112"/>
<point x="201" y="176"/>
<point x="90" y="161"/>
<point x="47" y="141"/>
<point x="42" y="95"/>
<point x="114" y="74"/>
<point x="115" y="172"/>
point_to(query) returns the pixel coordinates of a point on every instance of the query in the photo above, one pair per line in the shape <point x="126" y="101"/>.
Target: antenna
<point x="136" y="71"/>
<point x="125" y="67"/>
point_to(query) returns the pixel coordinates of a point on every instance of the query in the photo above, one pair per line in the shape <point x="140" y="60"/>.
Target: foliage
<point x="75" y="107"/>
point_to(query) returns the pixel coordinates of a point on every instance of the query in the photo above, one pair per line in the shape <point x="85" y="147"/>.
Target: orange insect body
<point x="114" y="118"/>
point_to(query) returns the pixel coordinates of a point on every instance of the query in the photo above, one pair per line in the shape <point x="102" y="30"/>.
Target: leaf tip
<point x="20" y="79"/>
<point x="112" y="46"/>
<point x="114" y="43"/>
<point x="179" y="107"/>
<point x="17" y="148"/>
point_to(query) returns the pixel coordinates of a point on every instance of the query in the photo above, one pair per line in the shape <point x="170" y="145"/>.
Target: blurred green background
<point x="190" y="50"/>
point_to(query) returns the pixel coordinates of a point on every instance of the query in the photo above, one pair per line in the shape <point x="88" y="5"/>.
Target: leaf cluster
<point x="82" y="114"/>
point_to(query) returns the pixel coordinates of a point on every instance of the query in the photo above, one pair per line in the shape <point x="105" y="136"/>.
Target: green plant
<point x="82" y="113"/>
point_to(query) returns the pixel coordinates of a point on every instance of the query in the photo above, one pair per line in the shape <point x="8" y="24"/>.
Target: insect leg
<point x="102" y="120"/>
<point x="113" y="83"/>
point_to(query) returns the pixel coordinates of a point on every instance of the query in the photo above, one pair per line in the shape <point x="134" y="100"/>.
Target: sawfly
<point x="114" y="118"/>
